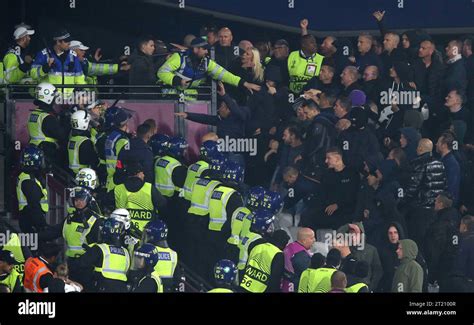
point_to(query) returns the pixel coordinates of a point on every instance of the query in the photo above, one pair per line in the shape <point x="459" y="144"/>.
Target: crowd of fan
<point x="379" y="145"/>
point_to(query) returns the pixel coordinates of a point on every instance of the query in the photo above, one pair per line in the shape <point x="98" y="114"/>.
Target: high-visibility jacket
<point x="167" y="261"/>
<point x="180" y="63"/>
<point x="75" y="235"/>
<point x="115" y="262"/>
<point x="155" y="276"/>
<point x="68" y="72"/>
<point x="115" y="143"/>
<point x="258" y="269"/>
<point x="201" y="195"/>
<point x="164" y="175"/>
<point x="11" y="279"/>
<point x="2" y="74"/>
<point x="73" y="148"/>
<point x="217" y="207"/>
<point x="35" y="268"/>
<point x="316" y="280"/>
<point x="35" y="128"/>
<point x="356" y="287"/>
<point x="139" y="204"/>
<point x="194" y="171"/>
<point x="12" y="63"/>
<point x="14" y="245"/>
<point x="92" y="70"/>
<point x="301" y="69"/>
<point x="220" y="290"/>
<point x="237" y="221"/>
<point x="22" y="202"/>
<point x="246" y="224"/>
<point x="244" y="248"/>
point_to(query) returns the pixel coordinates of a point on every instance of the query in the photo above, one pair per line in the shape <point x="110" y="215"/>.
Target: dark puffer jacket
<point x="428" y="179"/>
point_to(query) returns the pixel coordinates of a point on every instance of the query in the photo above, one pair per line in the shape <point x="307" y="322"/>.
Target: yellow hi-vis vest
<point x="139" y="204"/>
<point x="258" y="269"/>
<point x="217" y="207"/>
<point x="237" y="221"/>
<point x="74" y="234"/>
<point x="156" y="277"/>
<point x="316" y="280"/>
<point x="115" y="263"/>
<point x="10" y="280"/>
<point x="13" y="245"/>
<point x="167" y="261"/>
<point x="301" y="69"/>
<point x="220" y="290"/>
<point x="35" y="128"/>
<point x="194" y="171"/>
<point x="246" y="224"/>
<point x="356" y="287"/>
<point x="163" y="175"/>
<point x="116" y="141"/>
<point x="201" y="195"/>
<point x="73" y="148"/>
<point x="244" y="248"/>
<point x="22" y="203"/>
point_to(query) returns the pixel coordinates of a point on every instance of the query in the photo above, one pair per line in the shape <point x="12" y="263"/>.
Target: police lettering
<point x="117" y="250"/>
<point x="163" y="163"/>
<point x="203" y="181"/>
<point x="217" y="195"/>
<point x="195" y="167"/>
<point x="240" y="216"/>
<point x="164" y="256"/>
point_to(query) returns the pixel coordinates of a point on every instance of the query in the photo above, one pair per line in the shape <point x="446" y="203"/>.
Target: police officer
<point x="304" y="64"/>
<point x="87" y="178"/>
<point x="117" y="141"/>
<point x="109" y="259"/>
<point x="31" y="194"/>
<point x="208" y="150"/>
<point x="80" y="230"/>
<point x="158" y="144"/>
<point x="225" y="277"/>
<point x="91" y="69"/>
<point x="140" y="198"/>
<point x="156" y="233"/>
<point x="198" y="214"/>
<point x="43" y="126"/>
<point x="132" y="235"/>
<point x="225" y="199"/>
<point x="8" y="274"/>
<point x="170" y="174"/>
<point x="145" y="260"/>
<point x="265" y="264"/>
<point x="39" y="270"/>
<point x="58" y="65"/>
<point x="104" y="132"/>
<point x="187" y="70"/>
<point x="16" y="62"/>
<point x="81" y="151"/>
<point x="241" y="217"/>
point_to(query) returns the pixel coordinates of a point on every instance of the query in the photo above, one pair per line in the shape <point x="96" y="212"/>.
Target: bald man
<point x="392" y="53"/>
<point x="338" y="282"/>
<point x="225" y="50"/>
<point x="245" y="44"/>
<point x="297" y="258"/>
<point x="211" y="136"/>
<point x="427" y="181"/>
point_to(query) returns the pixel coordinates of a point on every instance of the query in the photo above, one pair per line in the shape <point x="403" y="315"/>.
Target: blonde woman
<point x="251" y="62"/>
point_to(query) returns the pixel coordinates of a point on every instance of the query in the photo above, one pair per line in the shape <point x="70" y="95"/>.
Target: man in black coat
<point x="143" y="69"/>
<point x="225" y="51"/>
<point x="463" y="272"/>
<point x="440" y="244"/>
<point x="455" y="76"/>
<point x="427" y="180"/>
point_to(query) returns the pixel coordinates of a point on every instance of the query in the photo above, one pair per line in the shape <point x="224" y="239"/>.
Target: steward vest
<point x="257" y="272"/>
<point x="10" y="280"/>
<point x="220" y="290"/>
<point x="139" y="204"/>
<point x="316" y="280"/>
<point x="14" y="245"/>
<point x="301" y="69"/>
<point x="35" y="268"/>
<point x="356" y="287"/>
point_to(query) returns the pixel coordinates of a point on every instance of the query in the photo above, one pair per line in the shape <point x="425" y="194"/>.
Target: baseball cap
<point x="22" y="31"/>
<point x="7" y="256"/>
<point x="200" y="42"/>
<point x="62" y="35"/>
<point x="78" y="45"/>
<point x="281" y="42"/>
